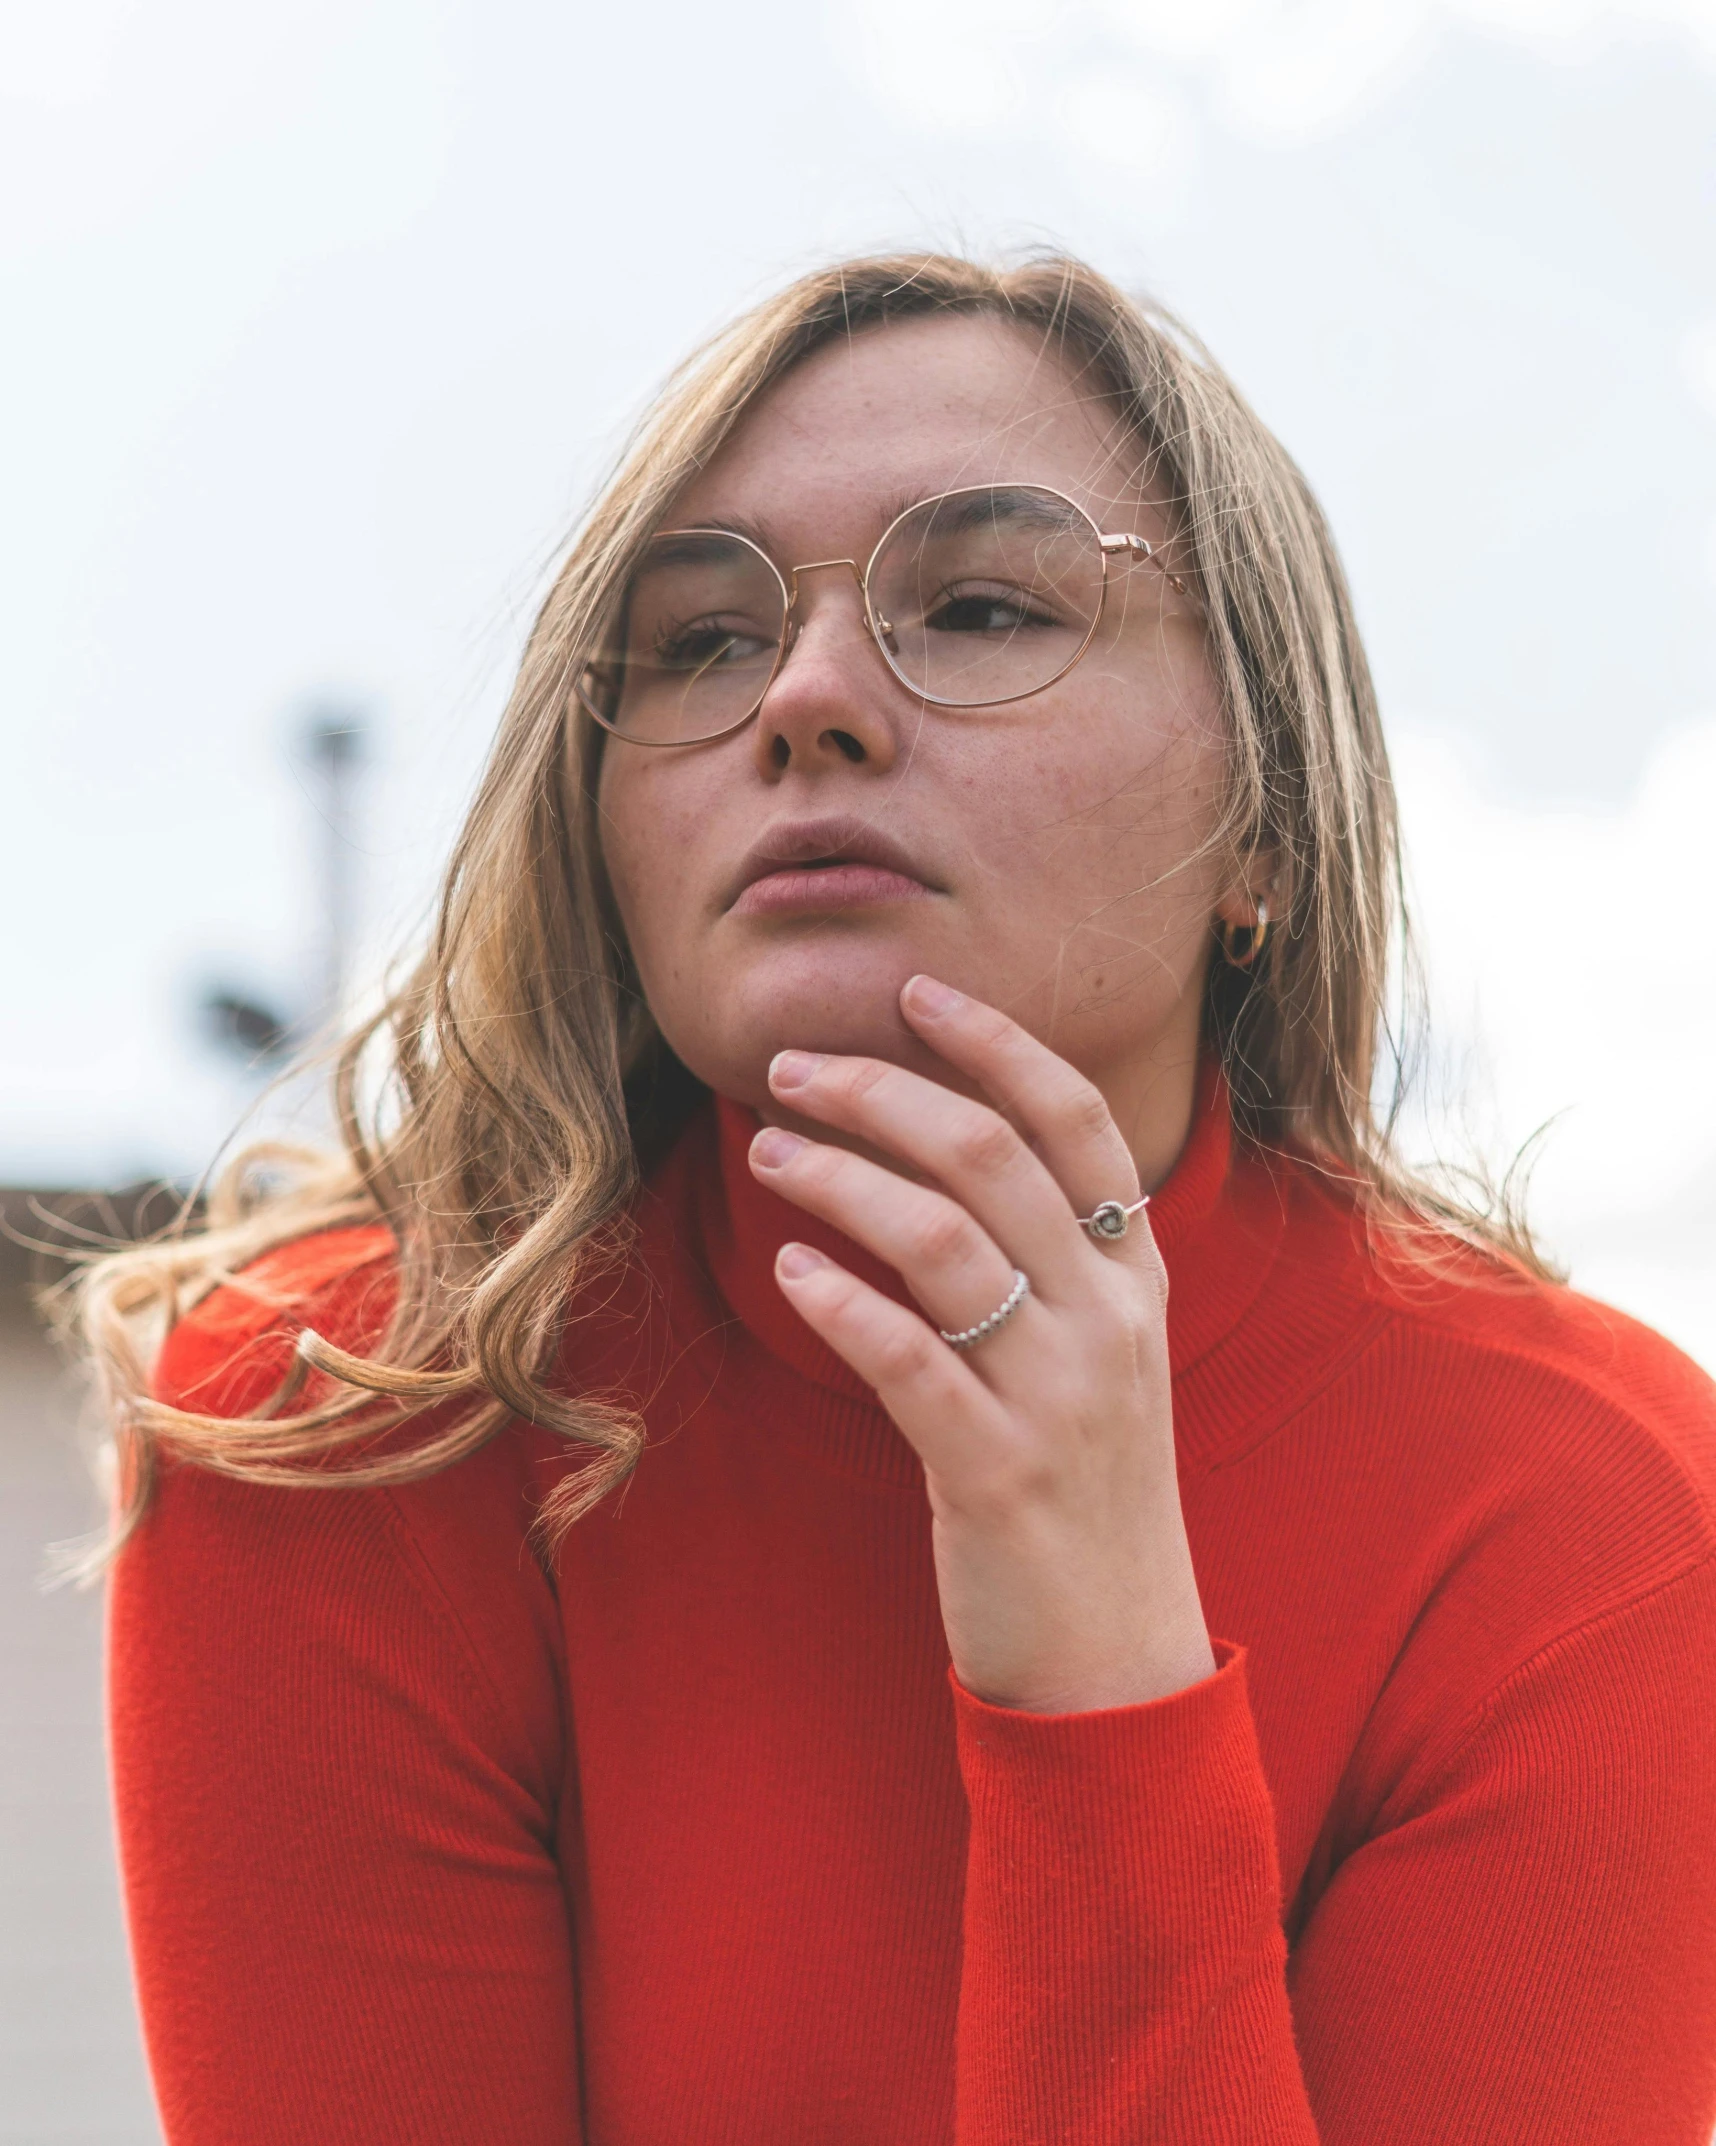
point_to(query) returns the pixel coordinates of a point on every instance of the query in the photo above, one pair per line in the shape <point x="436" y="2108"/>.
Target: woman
<point x="1131" y="1618"/>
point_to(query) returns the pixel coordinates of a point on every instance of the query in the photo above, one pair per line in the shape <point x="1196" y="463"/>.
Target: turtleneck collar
<point x="1218" y="1221"/>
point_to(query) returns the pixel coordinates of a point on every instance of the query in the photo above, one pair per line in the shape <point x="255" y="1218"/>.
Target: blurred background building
<point x="327" y="317"/>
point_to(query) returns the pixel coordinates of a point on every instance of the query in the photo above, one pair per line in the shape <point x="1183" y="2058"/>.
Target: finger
<point x="928" y="1388"/>
<point x="954" y="1268"/>
<point x="1064" y="1115"/>
<point x="958" y="1140"/>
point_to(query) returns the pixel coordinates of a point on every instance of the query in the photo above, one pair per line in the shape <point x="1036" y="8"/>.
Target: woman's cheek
<point x="644" y="849"/>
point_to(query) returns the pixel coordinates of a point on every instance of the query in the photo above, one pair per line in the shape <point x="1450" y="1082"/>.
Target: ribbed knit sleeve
<point x="1523" y="1952"/>
<point x="336" y="1750"/>
<point x="346" y="1917"/>
<point x="1124" y="1967"/>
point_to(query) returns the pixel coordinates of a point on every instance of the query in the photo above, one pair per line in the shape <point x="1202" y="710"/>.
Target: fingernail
<point x="791" y="1069"/>
<point x="775" y="1148"/>
<point x="795" y="1261"/>
<point x="925" y="995"/>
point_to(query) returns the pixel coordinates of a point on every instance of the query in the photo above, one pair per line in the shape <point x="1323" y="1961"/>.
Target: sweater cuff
<point x="1168" y="1731"/>
<point x="1121" y="1878"/>
<point x="1125" y="1960"/>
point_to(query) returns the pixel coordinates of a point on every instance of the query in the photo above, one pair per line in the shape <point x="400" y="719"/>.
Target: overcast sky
<point x="327" y="314"/>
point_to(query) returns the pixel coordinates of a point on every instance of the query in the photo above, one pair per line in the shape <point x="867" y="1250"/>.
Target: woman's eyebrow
<point x="1011" y="503"/>
<point x="738" y="525"/>
<point x="956" y="512"/>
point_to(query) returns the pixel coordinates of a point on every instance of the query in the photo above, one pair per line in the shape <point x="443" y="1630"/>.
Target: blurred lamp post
<point x="333" y="745"/>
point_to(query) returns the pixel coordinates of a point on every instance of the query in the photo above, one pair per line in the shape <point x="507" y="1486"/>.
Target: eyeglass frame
<point x="1139" y="551"/>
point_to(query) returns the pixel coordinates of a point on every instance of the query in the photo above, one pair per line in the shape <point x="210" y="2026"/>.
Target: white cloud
<point x="954" y="65"/>
<point x="1274" y="67"/>
<point x="1290" y="65"/>
<point x="1698" y="362"/>
<point x="61" y="55"/>
<point x="113" y="112"/>
<point x="1568" y="950"/>
<point x="1576" y="27"/>
<point x="1142" y="133"/>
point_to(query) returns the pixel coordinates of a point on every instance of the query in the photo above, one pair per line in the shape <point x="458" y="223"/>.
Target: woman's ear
<point x="1255" y="894"/>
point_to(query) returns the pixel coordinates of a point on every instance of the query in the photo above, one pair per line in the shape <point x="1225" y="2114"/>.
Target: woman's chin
<point x="841" y="1000"/>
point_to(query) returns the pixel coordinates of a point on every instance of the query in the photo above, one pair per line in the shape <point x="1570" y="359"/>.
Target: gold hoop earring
<point x="1242" y="943"/>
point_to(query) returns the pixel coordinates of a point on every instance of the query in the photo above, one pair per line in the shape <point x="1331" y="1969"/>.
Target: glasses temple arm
<point x="1140" y="551"/>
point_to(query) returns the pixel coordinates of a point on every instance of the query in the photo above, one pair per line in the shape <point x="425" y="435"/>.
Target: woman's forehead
<point x="867" y="426"/>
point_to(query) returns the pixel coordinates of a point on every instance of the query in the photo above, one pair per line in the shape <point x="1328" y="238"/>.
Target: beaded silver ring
<point x="1003" y="1311"/>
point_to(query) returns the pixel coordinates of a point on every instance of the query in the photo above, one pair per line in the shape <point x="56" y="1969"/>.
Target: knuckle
<point x="1084" y="1111"/>
<point x="1154" y="1276"/>
<point x="820" y="1165"/>
<point x="862" y="1076"/>
<point x="986" y="1143"/>
<point x="901" y="1356"/>
<point x="944" y="1235"/>
<point x="1142" y="1317"/>
<point x="993" y="1026"/>
<point x="1017" y="1477"/>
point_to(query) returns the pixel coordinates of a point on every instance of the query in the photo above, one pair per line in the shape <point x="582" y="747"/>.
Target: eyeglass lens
<point x="982" y="596"/>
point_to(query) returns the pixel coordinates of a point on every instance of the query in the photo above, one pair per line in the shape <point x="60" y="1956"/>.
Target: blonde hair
<point x="525" y="1083"/>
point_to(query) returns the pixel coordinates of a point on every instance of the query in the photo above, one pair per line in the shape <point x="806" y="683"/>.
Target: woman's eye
<point x="707" y="644"/>
<point x="986" y="611"/>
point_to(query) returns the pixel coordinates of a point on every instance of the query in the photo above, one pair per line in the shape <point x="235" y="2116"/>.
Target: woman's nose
<point x="832" y="700"/>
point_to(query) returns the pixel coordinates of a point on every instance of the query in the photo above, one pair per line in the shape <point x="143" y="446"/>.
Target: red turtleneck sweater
<point x="693" y="1840"/>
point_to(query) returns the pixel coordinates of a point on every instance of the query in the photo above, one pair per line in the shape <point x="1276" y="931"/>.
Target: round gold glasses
<point x="974" y="597"/>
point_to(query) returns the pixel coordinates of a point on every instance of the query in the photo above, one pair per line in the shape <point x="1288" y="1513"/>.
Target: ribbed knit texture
<point x="695" y="1841"/>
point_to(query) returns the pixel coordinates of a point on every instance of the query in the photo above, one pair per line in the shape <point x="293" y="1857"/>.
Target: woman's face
<point x="1048" y="856"/>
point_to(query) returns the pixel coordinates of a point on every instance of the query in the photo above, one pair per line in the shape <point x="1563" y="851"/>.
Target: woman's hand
<point x="1048" y="1447"/>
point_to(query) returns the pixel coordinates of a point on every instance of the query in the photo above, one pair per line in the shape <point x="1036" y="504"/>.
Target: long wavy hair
<point x="497" y="1112"/>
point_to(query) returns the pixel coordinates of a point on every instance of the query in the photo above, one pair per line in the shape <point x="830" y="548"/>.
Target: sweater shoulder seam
<point x="1505" y="1349"/>
<point x="1486" y="1708"/>
<point x="1617" y="1411"/>
<point x="442" y="1601"/>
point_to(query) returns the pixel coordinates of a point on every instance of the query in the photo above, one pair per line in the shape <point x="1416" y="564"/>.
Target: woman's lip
<point x="830" y="886"/>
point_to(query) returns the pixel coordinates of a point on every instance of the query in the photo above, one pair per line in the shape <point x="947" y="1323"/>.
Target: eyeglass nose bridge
<point x="818" y="566"/>
<point x="821" y="566"/>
